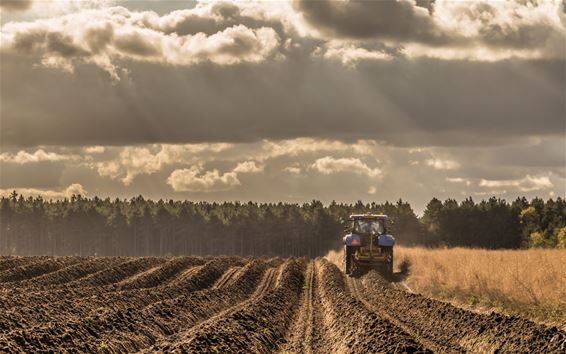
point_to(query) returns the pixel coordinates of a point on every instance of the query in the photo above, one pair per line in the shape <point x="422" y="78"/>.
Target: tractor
<point x="367" y="245"/>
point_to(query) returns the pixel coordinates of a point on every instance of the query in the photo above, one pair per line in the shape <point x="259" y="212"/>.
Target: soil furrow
<point x="83" y="268"/>
<point x="8" y="262"/>
<point x="116" y="274"/>
<point x="36" y="269"/>
<point x="355" y="329"/>
<point x="161" y="274"/>
<point x="137" y="328"/>
<point x="422" y="338"/>
<point x="227" y="277"/>
<point x="232" y="304"/>
<point x="103" y="316"/>
<point x="106" y="303"/>
<point x="454" y="326"/>
<point x="266" y="283"/>
<point x="26" y="292"/>
<point x="255" y="326"/>
<point x="191" y="309"/>
<point x="301" y="333"/>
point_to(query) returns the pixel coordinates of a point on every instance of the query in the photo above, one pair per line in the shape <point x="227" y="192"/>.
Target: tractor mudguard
<point x="352" y="240"/>
<point x="386" y="240"/>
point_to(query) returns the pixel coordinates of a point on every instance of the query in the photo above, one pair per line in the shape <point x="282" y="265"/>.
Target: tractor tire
<point x="348" y="260"/>
<point x="389" y="265"/>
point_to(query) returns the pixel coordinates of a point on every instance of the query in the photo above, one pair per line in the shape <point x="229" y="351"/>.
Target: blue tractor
<point x="367" y="245"/>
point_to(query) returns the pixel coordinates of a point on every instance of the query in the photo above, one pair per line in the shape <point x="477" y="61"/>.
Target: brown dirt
<point x="230" y="304"/>
<point x="455" y="329"/>
<point x="36" y="269"/>
<point x="161" y="273"/>
<point x="8" y="262"/>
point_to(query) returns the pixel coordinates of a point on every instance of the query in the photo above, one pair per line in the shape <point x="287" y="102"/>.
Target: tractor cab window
<point x="369" y="226"/>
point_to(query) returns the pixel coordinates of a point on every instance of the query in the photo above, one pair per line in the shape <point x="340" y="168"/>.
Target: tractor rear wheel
<point x="389" y="265"/>
<point x="347" y="260"/>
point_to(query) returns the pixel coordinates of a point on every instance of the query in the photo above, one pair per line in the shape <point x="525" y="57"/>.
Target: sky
<point x="288" y="101"/>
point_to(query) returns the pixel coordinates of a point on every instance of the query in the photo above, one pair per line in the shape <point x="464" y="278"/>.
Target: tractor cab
<point x="367" y="226"/>
<point x="367" y="244"/>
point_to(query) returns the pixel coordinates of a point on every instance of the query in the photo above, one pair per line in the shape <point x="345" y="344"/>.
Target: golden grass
<point x="527" y="282"/>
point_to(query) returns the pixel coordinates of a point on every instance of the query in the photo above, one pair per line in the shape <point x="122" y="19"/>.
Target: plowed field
<point x="231" y="304"/>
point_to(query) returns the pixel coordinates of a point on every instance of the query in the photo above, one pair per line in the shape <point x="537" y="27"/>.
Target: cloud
<point x="73" y="189"/>
<point x="503" y="24"/>
<point x="194" y="179"/>
<point x="29" y="10"/>
<point x="23" y="157"/>
<point x="394" y="20"/>
<point x="15" y="5"/>
<point x="233" y="32"/>
<point x="330" y="165"/>
<point x="526" y="184"/>
<point x="134" y="160"/>
<point x="126" y="162"/>
<point x="372" y="190"/>
<point x="455" y="179"/>
<point x="114" y="34"/>
<point x="295" y="170"/>
<point x="214" y="16"/>
<point x="248" y="167"/>
<point x="114" y="170"/>
<point x="474" y="29"/>
<point x="350" y="54"/>
<point x="131" y="162"/>
<point x="298" y="146"/>
<point x="292" y="171"/>
<point x="441" y="164"/>
<point x="313" y="94"/>
<point x="95" y="149"/>
<point x="458" y="180"/>
<point x="490" y="193"/>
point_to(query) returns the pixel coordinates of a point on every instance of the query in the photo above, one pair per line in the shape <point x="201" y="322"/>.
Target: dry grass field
<point x="527" y="282"/>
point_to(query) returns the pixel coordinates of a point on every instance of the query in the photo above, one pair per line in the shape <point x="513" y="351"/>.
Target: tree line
<point x="494" y="223"/>
<point x="142" y="227"/>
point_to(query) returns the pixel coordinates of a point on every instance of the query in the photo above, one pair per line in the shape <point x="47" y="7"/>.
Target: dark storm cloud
<point x="398" y="20"/>
<point x="509" y="24"/>
<point x="403" y="102"/>
<point x="193" y="24"/>
<point x="97" y="38"/>
<point x="136" y="44"/>
<point x="44" y="41"/>
<point x="427" y="4"/>
<point x="220" y="83"/>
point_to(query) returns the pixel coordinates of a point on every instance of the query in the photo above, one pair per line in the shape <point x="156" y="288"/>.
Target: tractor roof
<point x="368" y="216"/>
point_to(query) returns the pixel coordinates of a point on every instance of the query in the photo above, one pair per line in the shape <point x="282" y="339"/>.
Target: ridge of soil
<point x="233" y="304"/>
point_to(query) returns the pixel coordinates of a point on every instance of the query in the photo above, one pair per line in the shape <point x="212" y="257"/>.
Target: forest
<point x="141" y="227"/>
